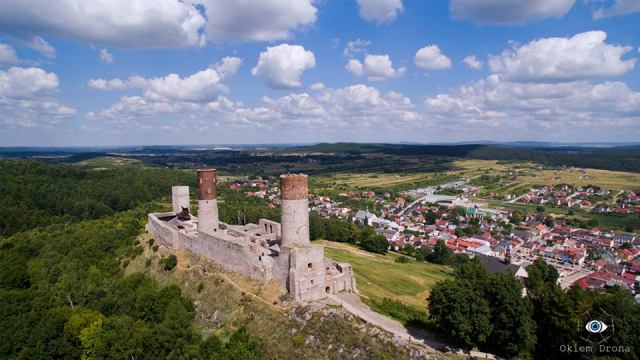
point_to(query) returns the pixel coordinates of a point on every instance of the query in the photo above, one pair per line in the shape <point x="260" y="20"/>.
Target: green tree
<point x="376" y="243"/>
<point x="441" y="253"/>
<point x="241" y="346"/>
<point x="513" y="334"/>
<point x="460" y="312"/>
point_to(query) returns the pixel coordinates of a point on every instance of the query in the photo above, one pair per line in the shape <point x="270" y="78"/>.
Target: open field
<point x="107" y="162"/>
<point x="379" y="276"/>
<point x="529" y="175"/>
<point x="379" y="181"/>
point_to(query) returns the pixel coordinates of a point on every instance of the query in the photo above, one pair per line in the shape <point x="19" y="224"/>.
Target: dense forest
<point x="623" y="158"/>
<point x="37" y="194"/>
<point x="62" y="289"/>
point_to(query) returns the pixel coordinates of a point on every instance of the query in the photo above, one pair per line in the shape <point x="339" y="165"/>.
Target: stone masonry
<point x="264" y="251"/>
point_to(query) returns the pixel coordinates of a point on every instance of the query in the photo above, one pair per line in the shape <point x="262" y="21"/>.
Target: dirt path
<point x="351" y="302"/>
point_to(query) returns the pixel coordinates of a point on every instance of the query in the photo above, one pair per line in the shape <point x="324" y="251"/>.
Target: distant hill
<point x="622" y="158"/>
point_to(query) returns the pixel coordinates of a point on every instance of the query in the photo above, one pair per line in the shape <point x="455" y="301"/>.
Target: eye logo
<point x="596" y="326"/>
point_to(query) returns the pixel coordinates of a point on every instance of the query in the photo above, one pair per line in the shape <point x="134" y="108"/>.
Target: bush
<point x="150" y="242"/>
<point x="155" y="248"/>
<point x="402" y="259"/>
<point x="170" y="262"/>
<point x="200" y="288"/>
<point x="147" y="263"/>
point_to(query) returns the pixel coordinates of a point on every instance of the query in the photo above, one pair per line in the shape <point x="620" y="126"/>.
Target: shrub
<point x="170" y="262"/>
<point x="402" y="259"/>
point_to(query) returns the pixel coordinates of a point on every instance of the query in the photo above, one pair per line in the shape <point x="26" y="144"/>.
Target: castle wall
<point x="237" y="254"/>
<point x="162" y="232"/>
<point x="180" y="198"/>
<point x="270" y="227"/>
<point x="307" y="272"/>
<point x="233" y="254"/>
<point x="339" y="277"/>
<point x="254" y="250"/>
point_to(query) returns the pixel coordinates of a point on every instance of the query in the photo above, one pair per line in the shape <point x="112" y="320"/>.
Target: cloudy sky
<point x="139" y="72"/>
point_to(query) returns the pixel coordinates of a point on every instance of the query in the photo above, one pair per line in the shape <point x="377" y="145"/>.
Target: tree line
<point x="489" y="311"/>
<point x="36" y="194"/>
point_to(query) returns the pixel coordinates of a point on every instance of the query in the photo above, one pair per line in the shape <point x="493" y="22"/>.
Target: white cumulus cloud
<point x="583" y="56"/>
<point x="106" y="57"/>
<point x="18" y="82"/>
<point x="265" y="20"/>
<point x="282" y="66"/>
<point x="375" y="68"/>
<point x="356" y="46"/>
<point x="380" y="11"/>
<point x="27" y="98"/>
<point x="473" y="62"/>
<point x="509" y="11"/>
<point x="430" y="57"/>
<point x="8" y="54"/>
<point x="119" y="23"/>
<point x="355" y="67"/>
<point x="201" y="86"/>
<point x="570" y="110"/>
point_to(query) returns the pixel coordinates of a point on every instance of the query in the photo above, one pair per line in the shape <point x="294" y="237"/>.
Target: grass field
<point x="379" y="276"/>
<point x="107" y="162"/>
<point x="378" y="181"/>
<point x="529" y="175"/>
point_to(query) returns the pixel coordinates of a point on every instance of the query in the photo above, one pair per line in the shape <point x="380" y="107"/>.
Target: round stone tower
<point x="207" y="201"/>
<point x="294" y="209"/>
<point x="180" y="198"/>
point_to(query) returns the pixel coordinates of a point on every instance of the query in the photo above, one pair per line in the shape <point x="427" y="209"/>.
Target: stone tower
<point x="294" y="209"/>
<point x="207" y="201"/>
<point x="180" y="198"/>
<point x="304" y="262"/>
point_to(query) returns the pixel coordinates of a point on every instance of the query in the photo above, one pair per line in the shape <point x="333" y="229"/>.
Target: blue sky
<point x="281" y="71"/>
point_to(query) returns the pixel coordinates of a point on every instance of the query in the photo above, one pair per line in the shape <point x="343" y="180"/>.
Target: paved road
<point x="569" y="280"/>
<point x="352" y="303"/>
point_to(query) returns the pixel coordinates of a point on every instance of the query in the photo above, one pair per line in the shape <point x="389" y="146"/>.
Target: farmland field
<point x="528" y="174"/>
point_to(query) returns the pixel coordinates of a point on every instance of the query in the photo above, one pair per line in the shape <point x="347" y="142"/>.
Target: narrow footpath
<point x="352" y="303"/>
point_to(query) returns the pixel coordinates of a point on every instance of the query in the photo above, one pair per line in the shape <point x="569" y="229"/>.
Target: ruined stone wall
<point x="340" y="279"/>
<point x="307" y="272"/>
<point x="268" y="226"/>
<point x="233" y="254"/>
<point x="180" y="198"/>
<point x="162" y="232"/>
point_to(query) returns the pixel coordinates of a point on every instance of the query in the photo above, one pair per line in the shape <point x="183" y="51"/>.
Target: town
<point x="505" y="238"/>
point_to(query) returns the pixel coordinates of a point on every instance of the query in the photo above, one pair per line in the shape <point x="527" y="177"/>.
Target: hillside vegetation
<point x="36" y="194"/>
<point x="76" y="285"/>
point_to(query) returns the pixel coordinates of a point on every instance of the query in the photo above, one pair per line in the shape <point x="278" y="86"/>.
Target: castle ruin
<point x="264" y="251"/>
